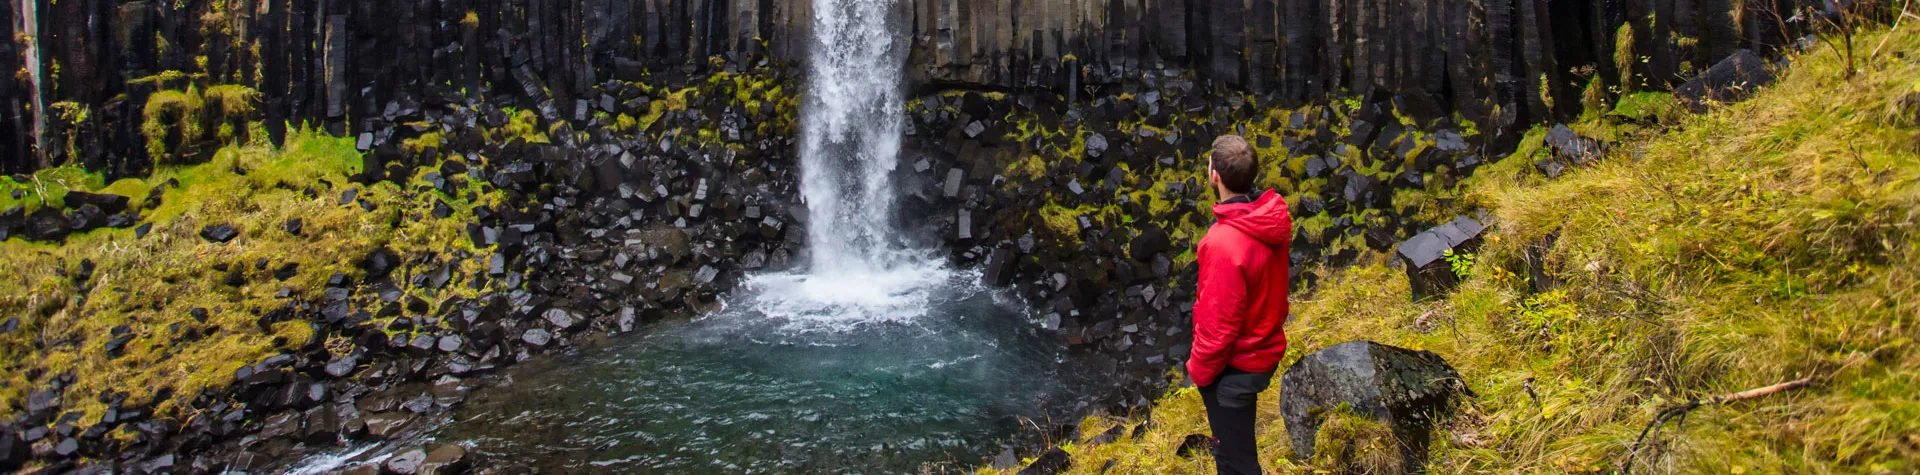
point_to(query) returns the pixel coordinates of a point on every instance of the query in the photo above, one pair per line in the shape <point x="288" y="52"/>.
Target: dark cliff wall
<point x="336" y="63"/>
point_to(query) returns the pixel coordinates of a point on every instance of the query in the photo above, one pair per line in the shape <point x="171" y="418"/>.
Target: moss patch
<point x="150" y="284"/>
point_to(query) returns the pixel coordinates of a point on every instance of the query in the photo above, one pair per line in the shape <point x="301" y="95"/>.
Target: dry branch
<point x="1680" y="411"/>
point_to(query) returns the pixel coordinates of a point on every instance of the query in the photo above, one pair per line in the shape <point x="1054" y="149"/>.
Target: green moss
<point x="47" y="187"/>
<point x="1349" y="443"/>
<point x="149" y="284"/>
<point x="429" y="140"/>
<point x="1645" y="106"/>
<point x="170" y="114"/>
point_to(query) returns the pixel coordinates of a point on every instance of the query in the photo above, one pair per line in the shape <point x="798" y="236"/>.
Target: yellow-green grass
<point x="1762" y="242"/>
<point x="150" y="284"/>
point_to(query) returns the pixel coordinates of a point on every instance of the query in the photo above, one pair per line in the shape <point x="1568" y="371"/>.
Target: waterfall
<point x="851" y="126"/>
<point x="850" y="137"/>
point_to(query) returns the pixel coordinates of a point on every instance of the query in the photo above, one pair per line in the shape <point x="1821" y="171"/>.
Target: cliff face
<point x="343" y="63"/>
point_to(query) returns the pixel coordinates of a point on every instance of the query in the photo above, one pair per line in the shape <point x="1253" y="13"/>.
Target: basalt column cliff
<point x="87" y="68"/>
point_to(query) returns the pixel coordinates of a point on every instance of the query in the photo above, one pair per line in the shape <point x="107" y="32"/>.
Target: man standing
<point x="1242" y="303"/>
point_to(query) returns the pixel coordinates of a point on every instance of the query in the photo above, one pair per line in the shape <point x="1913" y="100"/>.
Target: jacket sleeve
<point x="1217" y="314"/>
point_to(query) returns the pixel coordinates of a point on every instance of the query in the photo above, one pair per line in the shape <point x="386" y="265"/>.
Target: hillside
<point x="1758" y="243"/>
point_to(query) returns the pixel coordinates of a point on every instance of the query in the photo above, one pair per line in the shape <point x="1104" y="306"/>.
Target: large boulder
<point x="1405" y="389"/>
<point x="1424" y="256"/>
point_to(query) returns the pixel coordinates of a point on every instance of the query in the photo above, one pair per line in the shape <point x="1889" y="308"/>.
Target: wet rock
<point x="407" y="462"/>
<point x="537" y="337"/>
<point x="560" y="318"/>
<point x="342" y="366"/>
<point x="1052" y="462"/>
<point x="387" y="425"/>
<point x="220" y="233"/>
<point x="1730" y="80"/>
<point x="1405" y="389"/>
<point x="999" y="268"/>
<point x="1007" y="460"/>
<point x="446" y="460"/>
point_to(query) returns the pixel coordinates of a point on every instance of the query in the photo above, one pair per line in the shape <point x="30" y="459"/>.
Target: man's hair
<point x="1234" y="160"/>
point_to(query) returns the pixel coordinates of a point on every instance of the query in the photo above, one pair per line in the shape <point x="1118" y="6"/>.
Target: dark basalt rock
<point x="46" y="225"/>
<point x="537" y="337"/>
<point x="1424" y="256"/>
<point x="13" y="450"/>
<point x="106" y="203"/>
<point x="342" y="366"/>
<point x="220" y="233"/>
<point x="999" y="268"/>
<point x="446" y="459"/>
<point x="1150" y="242"/>
<point x="1405" y="389"/>
<point x="1730" y="80"/>
<point x="407" y="462"/>
<point x="1194" y="444"/>
<point x="294" y="226"/>
<point x="1572" y="148"/>
<point x="1052" y="462"/>
<point x="380" y="262"/>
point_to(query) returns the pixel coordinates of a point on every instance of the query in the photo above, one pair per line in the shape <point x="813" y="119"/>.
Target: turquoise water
<point x="941" y="375"/>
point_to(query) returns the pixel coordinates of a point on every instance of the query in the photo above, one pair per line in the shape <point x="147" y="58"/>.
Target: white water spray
<point x="850" y="137"/>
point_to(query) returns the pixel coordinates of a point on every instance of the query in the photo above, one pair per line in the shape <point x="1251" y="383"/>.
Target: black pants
<point x="1231" y="407"/>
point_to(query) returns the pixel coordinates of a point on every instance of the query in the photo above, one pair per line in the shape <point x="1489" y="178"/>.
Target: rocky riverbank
<point x="337" y="289"/>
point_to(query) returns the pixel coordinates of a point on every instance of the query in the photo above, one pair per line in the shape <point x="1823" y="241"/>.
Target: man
<point x="1242" y="302"/>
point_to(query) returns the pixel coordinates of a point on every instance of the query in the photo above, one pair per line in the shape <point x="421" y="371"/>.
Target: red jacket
<point x="1242" y="301"/>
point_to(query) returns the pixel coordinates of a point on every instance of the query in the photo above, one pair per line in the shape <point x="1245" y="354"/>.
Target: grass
<point x="149" y="284"/>
<point x="1762" y="242"/>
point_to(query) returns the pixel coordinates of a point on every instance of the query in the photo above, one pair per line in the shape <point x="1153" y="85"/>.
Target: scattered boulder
<point x="1424" y="256"/>
<point x="106" y="203"/>
<point x="407" y="462"/>
<point x="220" y="233"/>
<point x="537" y="337"/>
<point x="1151" y="241"/>
<point x="446" y="459"/>
<point x="1571" y="148"/>
<point x="1405" y="389"/>
<point x="1730" y="80"/>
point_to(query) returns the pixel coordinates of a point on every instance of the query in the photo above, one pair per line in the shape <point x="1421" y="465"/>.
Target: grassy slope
<point x="1759" y="243"/>
<point x="149" y="284"/>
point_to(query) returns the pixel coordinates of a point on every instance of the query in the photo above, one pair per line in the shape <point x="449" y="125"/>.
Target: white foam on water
<point x="328" y="462"/>
<point x="843" y="300"/>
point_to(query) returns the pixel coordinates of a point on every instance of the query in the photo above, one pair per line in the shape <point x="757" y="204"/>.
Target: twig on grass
<point x="1680" y="412"/>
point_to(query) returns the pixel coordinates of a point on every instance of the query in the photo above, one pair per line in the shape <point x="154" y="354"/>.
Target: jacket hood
<point x="1265" y="219"/>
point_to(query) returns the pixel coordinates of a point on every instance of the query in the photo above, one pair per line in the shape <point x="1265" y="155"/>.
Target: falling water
<point x="850" y="141"/>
